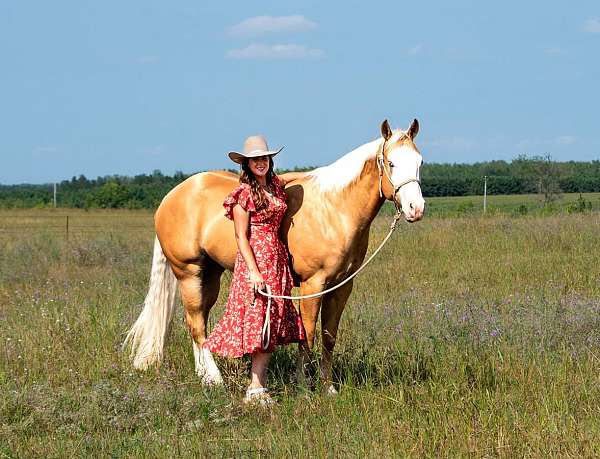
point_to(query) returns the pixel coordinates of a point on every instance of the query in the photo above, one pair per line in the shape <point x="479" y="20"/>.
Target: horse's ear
<point x="386" y="131"/>
<point x="413" y="130"/>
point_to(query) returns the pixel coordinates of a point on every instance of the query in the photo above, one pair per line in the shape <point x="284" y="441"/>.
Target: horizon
<point x="283" y="170"/>
<point x="118" y="89"/>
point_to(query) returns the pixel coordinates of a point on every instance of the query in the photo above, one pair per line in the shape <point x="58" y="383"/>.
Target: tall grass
<point x="471" y="336"/>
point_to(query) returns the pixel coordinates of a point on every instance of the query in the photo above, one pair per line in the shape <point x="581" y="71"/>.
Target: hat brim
<point x="238" y="157"/>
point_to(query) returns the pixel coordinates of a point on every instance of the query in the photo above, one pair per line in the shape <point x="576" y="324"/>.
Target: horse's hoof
<point x="212" y="380"/>
<point x="304" y="381"/>
<point x="330" y="391"/>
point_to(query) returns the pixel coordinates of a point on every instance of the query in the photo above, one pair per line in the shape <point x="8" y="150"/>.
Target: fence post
<point x="67" y="228"/>
<point x="484" y="194"/>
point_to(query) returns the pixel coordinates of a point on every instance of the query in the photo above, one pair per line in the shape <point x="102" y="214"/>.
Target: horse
<point x="326" y="228"/>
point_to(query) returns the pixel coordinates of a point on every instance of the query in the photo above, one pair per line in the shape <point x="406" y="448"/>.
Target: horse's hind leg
<point x="331" y="312"/>
<point x="199" y="292"/>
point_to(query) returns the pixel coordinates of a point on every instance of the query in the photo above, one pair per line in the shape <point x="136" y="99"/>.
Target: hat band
<point x="266" y="152"/>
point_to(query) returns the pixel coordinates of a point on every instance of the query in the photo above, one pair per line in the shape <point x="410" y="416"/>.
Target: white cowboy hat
<point x="255" y="145"/>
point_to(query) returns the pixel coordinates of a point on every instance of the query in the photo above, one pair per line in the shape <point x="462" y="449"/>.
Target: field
<point x="469" y="336"/>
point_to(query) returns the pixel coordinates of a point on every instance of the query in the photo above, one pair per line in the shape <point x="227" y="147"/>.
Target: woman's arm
<point x="241" y="222"/>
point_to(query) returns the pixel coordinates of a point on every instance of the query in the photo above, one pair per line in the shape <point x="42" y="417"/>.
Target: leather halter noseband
<point x="383" y="170"/>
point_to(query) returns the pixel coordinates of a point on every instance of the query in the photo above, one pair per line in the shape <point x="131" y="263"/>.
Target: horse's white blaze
<point x="206" y="367"/>
<point x="406" y="162"/>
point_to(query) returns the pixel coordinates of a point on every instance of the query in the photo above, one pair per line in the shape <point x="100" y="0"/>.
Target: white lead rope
<point x="348" y="279"/>
<point x="266" y="328"/>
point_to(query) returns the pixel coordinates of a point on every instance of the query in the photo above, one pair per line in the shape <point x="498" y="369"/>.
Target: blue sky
<point x="111" y="87"/>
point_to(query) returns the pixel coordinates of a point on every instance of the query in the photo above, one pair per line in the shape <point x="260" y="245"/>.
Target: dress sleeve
<point x="242" y="195"/>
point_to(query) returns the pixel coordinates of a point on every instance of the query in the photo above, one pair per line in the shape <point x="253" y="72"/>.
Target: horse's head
<point x="399" y="162"/>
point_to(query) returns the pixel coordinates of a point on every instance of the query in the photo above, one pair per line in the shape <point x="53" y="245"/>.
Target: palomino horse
<point x="330" y="211"/>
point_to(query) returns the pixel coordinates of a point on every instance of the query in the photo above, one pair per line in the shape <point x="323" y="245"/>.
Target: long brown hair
<point x="258" y="194"/>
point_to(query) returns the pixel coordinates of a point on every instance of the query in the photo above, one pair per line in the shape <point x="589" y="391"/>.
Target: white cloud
<point x="417" y="49"/>
<point x="457" y="54"/>
<point x="555" y="52"/>
<point x="565" y="140"/>
<point x="147" y="60"/>
<point x="45" y="150"/>
<point x="261" y="51"/>
<point x="559" y="141"/>
<point x="156" y="150"/>
<point x="452" y="144"/>
<point x="592" y="25"/>
<point x="261" y="25"/>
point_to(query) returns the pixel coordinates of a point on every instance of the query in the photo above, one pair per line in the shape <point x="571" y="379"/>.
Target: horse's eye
<point x="391" y="164"/>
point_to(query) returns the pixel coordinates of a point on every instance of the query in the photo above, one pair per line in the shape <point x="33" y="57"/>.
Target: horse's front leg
<point x="333" y="306"/>
<point x="309" y="312"/>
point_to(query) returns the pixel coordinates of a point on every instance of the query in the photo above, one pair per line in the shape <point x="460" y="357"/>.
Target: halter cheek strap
<point x="383" y="170"/>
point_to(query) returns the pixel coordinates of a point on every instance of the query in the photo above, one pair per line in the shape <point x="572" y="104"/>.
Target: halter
<point x="383" y="170"/>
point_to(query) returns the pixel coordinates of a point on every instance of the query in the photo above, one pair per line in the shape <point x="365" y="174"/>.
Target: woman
<point x="256" y="207"/>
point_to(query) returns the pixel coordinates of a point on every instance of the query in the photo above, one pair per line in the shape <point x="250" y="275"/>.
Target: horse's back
<point x="191" y="226"/>
<point x="190" y="223"/>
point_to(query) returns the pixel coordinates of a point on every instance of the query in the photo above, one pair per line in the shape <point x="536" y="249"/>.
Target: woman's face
<point x="259" y="165"/>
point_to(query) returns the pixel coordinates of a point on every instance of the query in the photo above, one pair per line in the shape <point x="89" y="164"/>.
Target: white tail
<point x="148" y="334"/>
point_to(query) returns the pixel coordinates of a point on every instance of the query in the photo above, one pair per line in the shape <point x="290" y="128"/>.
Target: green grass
<point x="516" y="205"/>
<point x="510" y="204"/>
<point x="470" y="336"/>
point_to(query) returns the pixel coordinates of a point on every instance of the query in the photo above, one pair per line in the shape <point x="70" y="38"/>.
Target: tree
<point x="543" y="173"/>
<point x="110" y="195"/>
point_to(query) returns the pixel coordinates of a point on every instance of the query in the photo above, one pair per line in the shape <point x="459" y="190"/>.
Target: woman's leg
<point x="258" y="378"/>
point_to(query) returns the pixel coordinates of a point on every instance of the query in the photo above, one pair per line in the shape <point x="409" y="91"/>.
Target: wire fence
<point x="74" y="224"/>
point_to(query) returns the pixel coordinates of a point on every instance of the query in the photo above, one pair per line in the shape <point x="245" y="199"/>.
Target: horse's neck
<point x="359" y="201"/>
<point x="364" y="193"/>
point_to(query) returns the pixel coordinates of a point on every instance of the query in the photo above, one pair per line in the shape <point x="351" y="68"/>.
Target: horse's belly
<point x="219" y="244"/>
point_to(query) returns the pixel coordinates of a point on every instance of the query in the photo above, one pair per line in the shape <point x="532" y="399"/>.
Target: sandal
<point x="259" y="396"/>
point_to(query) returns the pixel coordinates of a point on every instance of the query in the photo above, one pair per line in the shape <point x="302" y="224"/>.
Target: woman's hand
<point x="257" y="281"/>
<point x="290" y="176"/>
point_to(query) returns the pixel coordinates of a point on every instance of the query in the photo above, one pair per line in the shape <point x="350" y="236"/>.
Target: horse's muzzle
<point x="414" y="213"/>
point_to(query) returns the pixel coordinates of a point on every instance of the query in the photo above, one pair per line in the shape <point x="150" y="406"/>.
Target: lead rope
<point x="348" y="279"/>
<point x="382" y="170"/>
<point x="266" y="328"/>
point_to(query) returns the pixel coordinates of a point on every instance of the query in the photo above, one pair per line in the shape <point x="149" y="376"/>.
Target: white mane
<point x="346" y="169"/>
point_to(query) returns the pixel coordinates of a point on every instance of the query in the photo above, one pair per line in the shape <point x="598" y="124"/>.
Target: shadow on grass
<point x="358" y="367"/>
<point x="363" y="366"/>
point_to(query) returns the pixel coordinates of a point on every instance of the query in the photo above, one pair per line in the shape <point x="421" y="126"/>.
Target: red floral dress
<point x="239" y="331"/>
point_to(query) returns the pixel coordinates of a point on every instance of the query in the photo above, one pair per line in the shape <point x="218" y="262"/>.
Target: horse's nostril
<point x="411" y="205"/>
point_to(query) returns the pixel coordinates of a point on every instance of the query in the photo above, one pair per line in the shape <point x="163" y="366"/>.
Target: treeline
<point x="520" y="176"/>
<point x="524" y="175"/>
<point x="139" y="192"/>
<point x="144" y="191"/>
